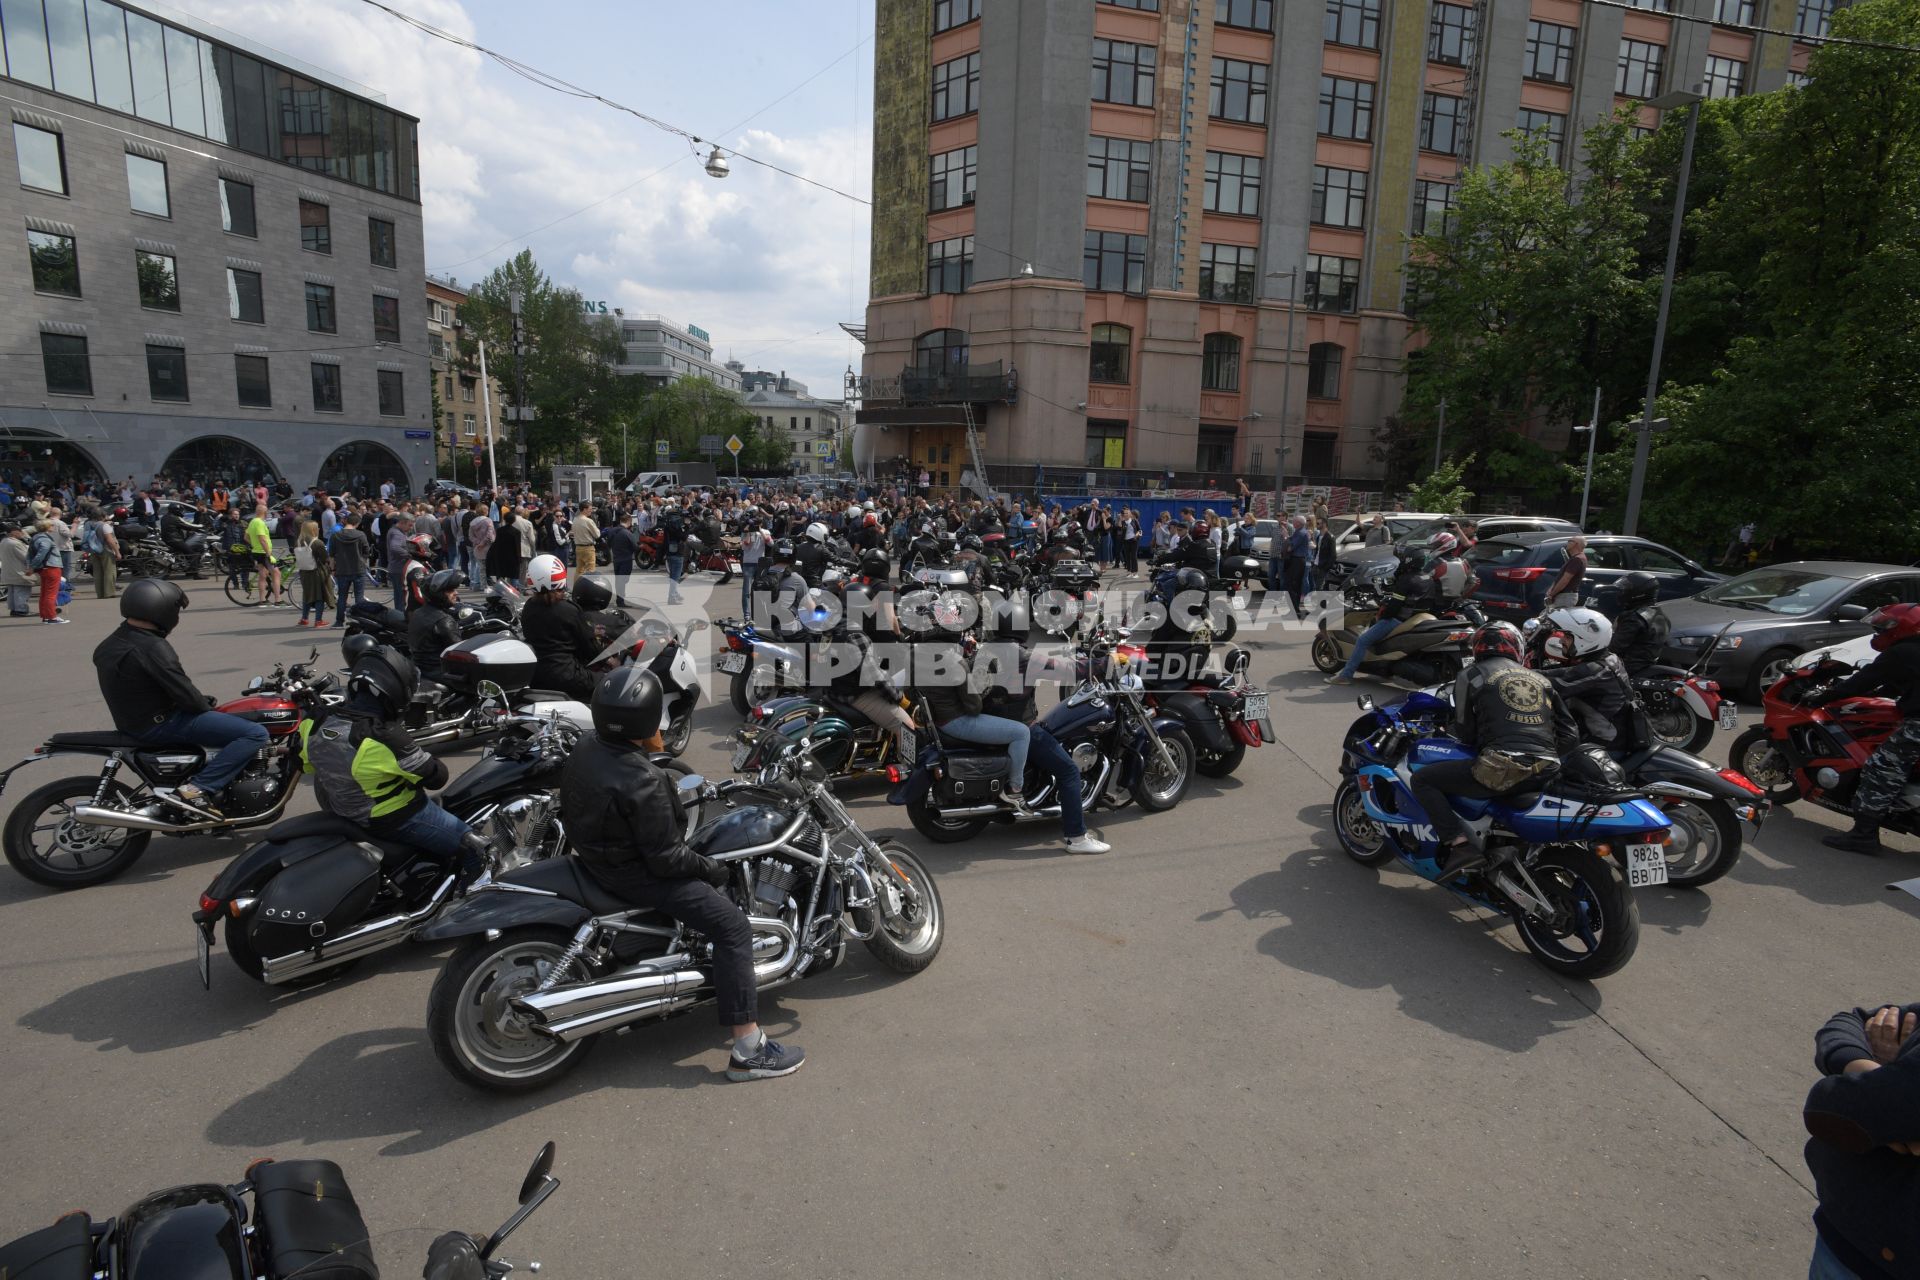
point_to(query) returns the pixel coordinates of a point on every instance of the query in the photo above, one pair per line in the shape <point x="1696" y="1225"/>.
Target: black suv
<point x="1515" y="570"/>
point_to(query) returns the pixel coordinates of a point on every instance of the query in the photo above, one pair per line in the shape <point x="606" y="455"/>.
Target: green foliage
<point x="1444" y="489"/>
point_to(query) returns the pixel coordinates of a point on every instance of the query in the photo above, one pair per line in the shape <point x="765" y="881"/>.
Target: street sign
<point x="735" y="445"/>
<point x="833" y="459"/>
<point x="709" y="444"/>
<point x="419" y="433"/>
<point x="661" y="449"/>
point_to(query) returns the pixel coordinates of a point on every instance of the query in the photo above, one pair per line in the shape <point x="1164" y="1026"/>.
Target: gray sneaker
<point x="773" y="1059"/>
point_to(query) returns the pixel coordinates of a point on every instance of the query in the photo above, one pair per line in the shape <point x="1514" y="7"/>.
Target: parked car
<point x="1351" y="531"/>
<point x="1780" y="612"/>
<point x="1356" y="558"/>
<point x="1515" y="570"/>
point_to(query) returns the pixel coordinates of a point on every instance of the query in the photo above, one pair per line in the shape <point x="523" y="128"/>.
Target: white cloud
<point x="766" y="264"/>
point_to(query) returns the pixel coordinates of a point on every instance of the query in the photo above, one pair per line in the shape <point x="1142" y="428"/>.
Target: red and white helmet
<point x="546" y="573"/>
<point x="1442" y="543"/>
<point x="1893" y="623"/>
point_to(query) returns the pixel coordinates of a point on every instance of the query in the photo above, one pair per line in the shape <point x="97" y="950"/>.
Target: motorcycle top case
<point x="309" y="1219"/>
<point x="504" y="660"/>
<point x="63" y="1251"/>
<point x="315" y="900"/>
<point x="183" y="1233"/>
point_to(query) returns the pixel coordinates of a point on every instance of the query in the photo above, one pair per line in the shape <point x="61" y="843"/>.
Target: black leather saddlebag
<point x="63" y="1251"/>
<point x="972" y="779"/>
<point x="315" y="900"/>
<point x="309" y="1220"/>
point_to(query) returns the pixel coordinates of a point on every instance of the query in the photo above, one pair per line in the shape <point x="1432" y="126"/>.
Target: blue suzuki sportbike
<point x="1558" y="851"/>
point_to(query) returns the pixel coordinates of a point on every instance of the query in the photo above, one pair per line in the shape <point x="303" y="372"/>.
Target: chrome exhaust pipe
<point x="593" y="1024"/>
<point x="375" y="935"/>
<point x="94" y="816"/>
<point x="634" y="993"/>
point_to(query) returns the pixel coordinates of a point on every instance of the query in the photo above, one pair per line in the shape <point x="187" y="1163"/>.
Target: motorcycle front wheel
<point x="679" y="733"/>
<point x="906" y="937"/>
<point x="1360" y="836"/>
<point x="47" y="846"/>
<point x="1160" y="786"/>
<point x="1595" y="926"/>
<point x="1326" y="654"/>
<point x="1755" y="755"/>
<point x="477" y="1033"/>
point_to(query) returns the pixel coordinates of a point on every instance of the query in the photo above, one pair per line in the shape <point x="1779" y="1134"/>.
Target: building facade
<point x="216" y="259"/>
<point x="465" y="427"/>
<point x="812" y="428"/>
<point x="662" y="351"/>
<point x="1160" y="236"/>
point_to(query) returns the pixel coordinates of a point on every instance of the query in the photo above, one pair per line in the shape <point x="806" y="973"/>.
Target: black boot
<point x="1463" y="857"/>
<point x="1864" y="838"/>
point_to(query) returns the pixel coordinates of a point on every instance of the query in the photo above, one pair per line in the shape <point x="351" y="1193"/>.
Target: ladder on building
<point x="975" y="479"/>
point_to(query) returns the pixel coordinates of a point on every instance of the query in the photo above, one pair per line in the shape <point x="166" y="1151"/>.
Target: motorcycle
<point x="846" y="743"/>
<point x="1430" y="647"/>
<point x="759" y="667"/>
<point x="955" y="789"/>
<point x="723" y="559"/>
<point x="1557" y="880"/>
<point x="81" y="831"/>
<point x="286" y="1220"/>
<point x="1222" y="711"/>
<point x="549" y="959"/>
<point x="144" y="555"/>
<point x="1802" y="752"/>
<point x="1683" y="706"/>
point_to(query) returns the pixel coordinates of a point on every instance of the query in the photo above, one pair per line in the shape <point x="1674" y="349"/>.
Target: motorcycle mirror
<point x="1364" y="702"/>
<point x="537" y="1174"/>
<point x="690" y="785"/>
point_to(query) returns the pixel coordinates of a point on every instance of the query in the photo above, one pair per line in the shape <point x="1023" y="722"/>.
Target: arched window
<point x="941" y="351"/>
<point x="360" y="467"/>
<point x="219" y="460"/>
<point x="1220" y="363"/>
<point x="1323" y="370"/>
<point x="1112" y="359"/>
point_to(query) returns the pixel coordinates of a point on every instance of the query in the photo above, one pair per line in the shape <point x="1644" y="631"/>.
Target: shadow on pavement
<point x="1673" y="910"/>
<point x="1791" y="843"/>
<point x="164" y="859"/>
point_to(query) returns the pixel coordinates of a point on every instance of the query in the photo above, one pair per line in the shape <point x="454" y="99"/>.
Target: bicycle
<point x="240" y="571"/>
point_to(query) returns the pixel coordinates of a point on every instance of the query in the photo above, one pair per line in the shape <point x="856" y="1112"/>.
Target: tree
<point x="1443" y="490"/>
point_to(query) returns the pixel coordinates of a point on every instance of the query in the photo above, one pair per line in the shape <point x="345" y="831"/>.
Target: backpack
<point x="94" y="542"/>
<point x="303" y="557"/>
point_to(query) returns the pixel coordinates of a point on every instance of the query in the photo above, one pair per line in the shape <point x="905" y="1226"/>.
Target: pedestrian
<point x="350" y="556"/>
<point x="480" y="538"/>
<point x="1864" y="1120"/>
<point x="1130" y="539"/>
<point x="63" y="542"/>
<point x="524" y="533"/>
<point x="1294" y="570"/>
<point x="586" y="536"/>
<point x="397" y="551"/>
<point x="310" y="558"/>
<point x="621" y="545"/>
<point x="1566" y="584"/>
<point x="260" y="547"/>
<point x="1378" y="535"/>
<point x="1323" y="557"/>
<point x="15" y="576"/>
<point x="43" y="561"/>
<point x="103" y="548"/>
<point x="754" y="542"/>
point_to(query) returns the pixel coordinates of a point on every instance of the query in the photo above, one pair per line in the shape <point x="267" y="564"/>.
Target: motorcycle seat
<point x="108" y="738"/>
<point x="1658" y="670"/>
<point x="308" y="825"/>
<point x="1524" y="799"/>
<point x="543" y="695"/>
<point x="569" y="877"/>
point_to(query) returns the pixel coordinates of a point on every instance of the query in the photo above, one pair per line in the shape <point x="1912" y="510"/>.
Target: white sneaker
<point x="1087" y="843"/>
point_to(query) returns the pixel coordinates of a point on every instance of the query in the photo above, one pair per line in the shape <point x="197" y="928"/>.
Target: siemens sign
<point x="699" y="333"/>
<point x="592" y="308"/>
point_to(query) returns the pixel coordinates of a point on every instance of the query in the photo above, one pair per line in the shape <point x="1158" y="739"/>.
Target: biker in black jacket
<point x="1515" y="721"/>
<point x="1195" y="551"/>
<point x="175" y="532"/>
<point x="431" y="627"/>
<point x="1591" y="679"/>
<point x="559" y="634"/>
<point x="623" y="815"/>
<point x="1890" y="767"/>
<point x="1640" y="632"/>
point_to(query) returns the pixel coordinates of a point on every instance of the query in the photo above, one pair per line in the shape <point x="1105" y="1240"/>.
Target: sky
<point x="766" y="265"/>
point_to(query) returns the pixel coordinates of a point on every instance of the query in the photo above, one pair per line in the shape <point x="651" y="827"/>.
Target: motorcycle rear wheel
<point x="903" y="943"/>
<point x="1705" y="844"/>
<point x="1360" y="837"/>
<point x="941" y="830"/>
<point x="475" y="1031"/>
<point x="1755" y="756"/>
<point x="1157" y="796"/>
<point x="1219" y="764"/>
<point x="1596" y="924"/>
<point x="48" y="847"/>
<point x="1677" y="725"/>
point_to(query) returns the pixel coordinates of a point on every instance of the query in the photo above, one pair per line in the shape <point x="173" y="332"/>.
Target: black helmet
<point x="1059" y="534"/>
<point x="1189" y="579"/>
<point x="781" y="552"/>
<point x="357" y="646"/>
<point x="626" y="705"/>
<point x="874" y="564"/>
<point x="590" y="595"/>
<point x="1498" y="640"/>
<point x="442" y="585"/>
<point x="154" y="601"/>
<point x="971" y="543"/>
<point x="386" y="674"/>
<point x="1638" y="587"/>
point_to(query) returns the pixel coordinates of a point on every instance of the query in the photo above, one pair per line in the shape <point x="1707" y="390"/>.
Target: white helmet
<point x="546" y="573"/>
<point x="817" y="531"/>
<point x="1573" y="634"/>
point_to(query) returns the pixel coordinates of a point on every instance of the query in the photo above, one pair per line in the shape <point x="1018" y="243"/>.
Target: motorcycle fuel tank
<point x="741" y="829"/>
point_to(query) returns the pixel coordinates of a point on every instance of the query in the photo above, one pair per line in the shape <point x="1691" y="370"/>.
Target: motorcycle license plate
<point x="733" y="566"/>
<point x="731" y="663"/>
<point x="1646" y="865"/>
<point x="909" y="749"/>
<point x="1255" y="707"/>
<point x="740" y="754"/>
<point x="1729" y="715"/>
<point x="203" y="949"/>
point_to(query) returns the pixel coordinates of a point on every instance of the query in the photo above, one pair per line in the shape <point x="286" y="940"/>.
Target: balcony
<point x="954" y="385"/>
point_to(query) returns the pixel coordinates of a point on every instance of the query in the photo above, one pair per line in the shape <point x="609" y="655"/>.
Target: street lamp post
<point x="1643" y="442"/>
<point x="1593" y="431"/>
<point x="1286" y="386"/>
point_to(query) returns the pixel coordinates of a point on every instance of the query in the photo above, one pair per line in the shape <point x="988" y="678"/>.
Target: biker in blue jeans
<point x="1412" y="591"/>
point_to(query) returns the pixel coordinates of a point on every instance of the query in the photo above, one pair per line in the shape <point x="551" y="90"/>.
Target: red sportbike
<point x="1802" y="752"/>
<point x="83" y="830"/>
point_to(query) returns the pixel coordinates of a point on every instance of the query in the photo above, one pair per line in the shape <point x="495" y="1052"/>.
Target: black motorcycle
<point x="285" y="1219"/>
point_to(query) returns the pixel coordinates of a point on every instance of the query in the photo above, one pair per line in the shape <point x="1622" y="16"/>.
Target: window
<point x="166" y="373"/>
<point x="64" y="359"/>
<point x="1228" y="272"/>
<point x="56" y="263"/>
<point x="250" y="382"/>
<point x="1440" y="124"/>
<point x="937" y="351"/>
<point x="467" y="424"/>
<point x="43" y="160"/>
<point x="147" y="186"/>
<point x="1734" y="12"/>
<point x="466" y="389"/>
<point x="320" y="313"/>
<point x="1654" y="560"/>
<point x="381" y="250"/>
<point x="1323" y="370"/>
<point x="1450" y="31"/>
<point x="244" y="297"/>
<point x="1123" y="73"/>
<point x="1354" y="22"/>
<point x="236" y="208"/>
<point x="1118" y="169"/>
<point x="1106" y="444"/>
<point x="1339" y="197"/>
<point x="1346" y="108"/>
<point x="951" y="177"/>
<point x="1254" y="14"/>
<point x="1112" y="358"/>
<point x="950" y="265"/>
<point x="1146" y="6"/>
<point x="1812" y="17"/>
<point x="386" y="320"/>
<point x="1239" y="91"/>
<point x="159" y="280"/>
<point x="316" y="228"/>
<point x="1220" y="363"/>
<point x="326" y="388"/>
<point x="392" y="385"/>
<point x="948" y="14"/>
<point x="1316" y="455"/>
<point x="1432" y="207"/>
<point x="1233" y="184"/>
<point x="1115" y="262"/>
<point x="1215" y="452"/>
<point x="1549" y="53"/>
<point x="1333" y="284"/>
<point x="956" y="87"/>
<point x="1553" y="126"/>
<point x="1638" y="75"/>
<point x="1726" y="77"/>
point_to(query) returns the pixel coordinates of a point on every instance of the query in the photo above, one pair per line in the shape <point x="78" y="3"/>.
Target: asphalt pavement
<point x="1222" y="1047"/>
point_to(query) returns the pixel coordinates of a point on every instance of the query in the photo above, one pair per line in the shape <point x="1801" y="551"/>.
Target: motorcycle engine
<point x="519" y="830"/>
<point x="254" y="792"/>
<point x="1085" y="756"/>
<point x="774" y="882"/>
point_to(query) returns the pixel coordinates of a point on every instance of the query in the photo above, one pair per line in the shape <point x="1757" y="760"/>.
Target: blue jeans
<point x="747" y="571"/>
<point x="433" y="830"/>
<point x="1051" y="756"/>
<point x="1826" y="1265"/>
<point x="676" y="564"/>
<point x="236" y="740"/>
<point x="994" y="731"/>
<point x="1373" y="635"/>
<point x="345" y="584"/>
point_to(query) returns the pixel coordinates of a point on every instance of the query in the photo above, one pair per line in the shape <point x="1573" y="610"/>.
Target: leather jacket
<point x="811" y="560"/>
<point x="1195" y="553"/>
<point x="1895" y="671"/>
<point x="1413" y="590"/>
<point x="1499" y="705"/>
<point x="563" y="643"/>
<point x="1599" y="694"/>
<point x="430" y="629"/>
<point x="1639" y="636"/>
<point x="623" y="815"/>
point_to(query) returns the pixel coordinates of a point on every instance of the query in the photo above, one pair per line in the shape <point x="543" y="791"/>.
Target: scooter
<point x="1427" y="648"/>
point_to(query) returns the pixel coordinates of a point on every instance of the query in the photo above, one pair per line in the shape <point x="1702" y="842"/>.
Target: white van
<point x="654" y="482"/>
